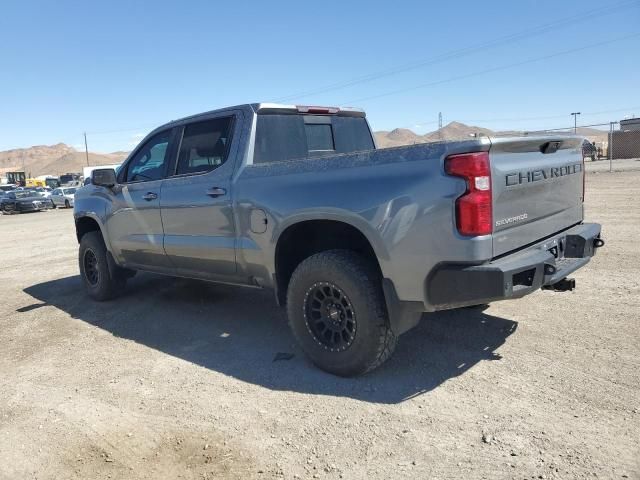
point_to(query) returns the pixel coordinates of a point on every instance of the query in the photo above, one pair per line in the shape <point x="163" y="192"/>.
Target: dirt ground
<point x="178" y="379"/>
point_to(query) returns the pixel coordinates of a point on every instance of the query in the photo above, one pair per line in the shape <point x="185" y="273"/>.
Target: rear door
<point x="135" y="224"/>
<point x="537" y="189"/>
<point x="197" y="214"/>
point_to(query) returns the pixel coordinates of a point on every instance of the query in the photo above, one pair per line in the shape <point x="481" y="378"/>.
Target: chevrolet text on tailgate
<point x="356" y="242"/>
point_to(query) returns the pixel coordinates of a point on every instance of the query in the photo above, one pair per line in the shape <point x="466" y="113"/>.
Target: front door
<point x="135" y="223"/>
<point x="197" y="214"/>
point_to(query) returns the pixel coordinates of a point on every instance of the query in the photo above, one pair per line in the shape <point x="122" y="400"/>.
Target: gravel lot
<point x="177" y="379"/>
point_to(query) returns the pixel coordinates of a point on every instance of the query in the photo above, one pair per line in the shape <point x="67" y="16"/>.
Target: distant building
<point x="625" y="143"/>
<point x="630" y="124"/>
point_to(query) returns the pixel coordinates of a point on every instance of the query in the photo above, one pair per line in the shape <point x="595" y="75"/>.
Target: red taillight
<point x="313" y="109"/>
<point x="474" y="211"/>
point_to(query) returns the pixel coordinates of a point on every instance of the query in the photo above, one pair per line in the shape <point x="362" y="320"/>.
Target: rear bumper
<point x="514" y="275"/>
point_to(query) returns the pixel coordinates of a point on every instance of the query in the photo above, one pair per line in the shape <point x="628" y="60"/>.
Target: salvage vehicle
<point x="45" y="193"/>
<point x="16" y="178"/>
<point x="63" y="197"/>
<point x="356" y="242"/>
<point x="69" y="180"/>
<point x="19" y="201"/>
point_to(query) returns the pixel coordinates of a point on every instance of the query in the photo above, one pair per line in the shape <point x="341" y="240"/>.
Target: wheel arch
<point x="305" y="235"/>
<point x="88" y="222"/>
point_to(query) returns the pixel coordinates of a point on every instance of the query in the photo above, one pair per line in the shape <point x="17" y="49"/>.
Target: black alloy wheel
<point x="91" y="269"/>
<point x="330" y="316"/>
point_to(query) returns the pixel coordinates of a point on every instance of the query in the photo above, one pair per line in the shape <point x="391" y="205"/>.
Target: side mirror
<point x="104" y="177"/>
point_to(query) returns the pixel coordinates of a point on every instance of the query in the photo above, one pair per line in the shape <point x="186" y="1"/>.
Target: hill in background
<point x="460" y="131"/>
<point x="60" y="158"/>
<point x="53" y="159"/>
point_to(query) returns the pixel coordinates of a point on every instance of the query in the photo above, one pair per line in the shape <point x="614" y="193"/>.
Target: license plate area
<point x="555" y="247"/>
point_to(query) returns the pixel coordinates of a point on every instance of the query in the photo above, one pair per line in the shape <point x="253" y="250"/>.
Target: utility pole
<point x="575" y="121"/>
<point x="86" y="149"/>
<point x="440" y="125"/>
<point x="610" y="147"/>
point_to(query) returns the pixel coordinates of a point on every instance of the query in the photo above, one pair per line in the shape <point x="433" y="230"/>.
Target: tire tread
<point x="369" y="279"/>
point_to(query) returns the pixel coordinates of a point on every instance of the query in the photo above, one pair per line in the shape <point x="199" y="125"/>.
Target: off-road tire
<point x="100" y="282"/>
<point x="373" y="341"/>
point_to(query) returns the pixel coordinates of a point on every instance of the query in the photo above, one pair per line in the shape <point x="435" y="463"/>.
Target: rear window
<point x="287" y="137"/>
<point x="319" y="138"/>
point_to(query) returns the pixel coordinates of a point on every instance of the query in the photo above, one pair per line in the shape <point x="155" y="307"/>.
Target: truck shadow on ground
<point x="240" y="332"/>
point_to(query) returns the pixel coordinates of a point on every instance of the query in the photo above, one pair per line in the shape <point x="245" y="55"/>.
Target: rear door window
<point x="204" y="146"/>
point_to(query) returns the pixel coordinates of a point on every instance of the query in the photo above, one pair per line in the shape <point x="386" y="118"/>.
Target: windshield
<point x="22" y="194"/>
<point x="69" y="191"/>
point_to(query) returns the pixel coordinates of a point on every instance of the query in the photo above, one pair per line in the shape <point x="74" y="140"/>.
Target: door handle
<point x="216" y="192"/>
<point x="150" y="196"/>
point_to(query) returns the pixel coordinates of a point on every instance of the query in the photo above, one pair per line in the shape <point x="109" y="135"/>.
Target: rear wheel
<point x="100" y="283"/>
<point x="337" y="313"/>
<point x="8" y="210"/>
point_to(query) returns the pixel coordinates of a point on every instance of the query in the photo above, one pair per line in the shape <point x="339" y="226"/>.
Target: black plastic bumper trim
<point x="453" y="285"/>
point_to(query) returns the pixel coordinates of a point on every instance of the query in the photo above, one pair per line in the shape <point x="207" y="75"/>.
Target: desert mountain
<point x="460" y="131"/>
<point x="60" y="158"/>
<point x="53" y="159"/>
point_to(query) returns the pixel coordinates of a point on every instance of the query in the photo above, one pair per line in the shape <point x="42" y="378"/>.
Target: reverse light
<point x="474" y="209"/>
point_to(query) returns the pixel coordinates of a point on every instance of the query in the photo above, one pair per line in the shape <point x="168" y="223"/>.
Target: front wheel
<point x="337" y="313"/>
<point x="66" y="204"/>
<point x="99" y="282"/>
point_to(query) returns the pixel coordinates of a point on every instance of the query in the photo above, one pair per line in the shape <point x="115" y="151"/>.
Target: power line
<point x="571" y="128"/>
<point x="491" y="70"/>
<point x="123" y="130"/>
<point x="538" y="30"/>
<point x="519" y="119"/>
<point x="551" y="117"/>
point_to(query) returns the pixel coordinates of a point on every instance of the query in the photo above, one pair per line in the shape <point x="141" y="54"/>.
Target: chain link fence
<point x="616" y="140"/>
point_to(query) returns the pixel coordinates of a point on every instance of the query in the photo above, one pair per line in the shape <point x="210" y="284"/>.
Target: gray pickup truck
<point x="356" y="242"/>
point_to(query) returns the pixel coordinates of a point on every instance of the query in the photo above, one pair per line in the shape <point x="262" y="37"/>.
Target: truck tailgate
<point x="537" y="185"/>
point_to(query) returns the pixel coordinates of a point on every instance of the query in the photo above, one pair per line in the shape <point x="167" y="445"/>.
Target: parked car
<point x="356" y="242"/>
<point x="19" y="201"/>
<point x="63" y="197"/>
<point x="44" y="191"/>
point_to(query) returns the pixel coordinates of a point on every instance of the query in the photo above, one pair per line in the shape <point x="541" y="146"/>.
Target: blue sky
<point x="116" y="69"/>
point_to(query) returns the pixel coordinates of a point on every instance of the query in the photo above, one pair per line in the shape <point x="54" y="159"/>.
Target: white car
<point x="43" y="191"/>
<point x="63" y="196"/>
